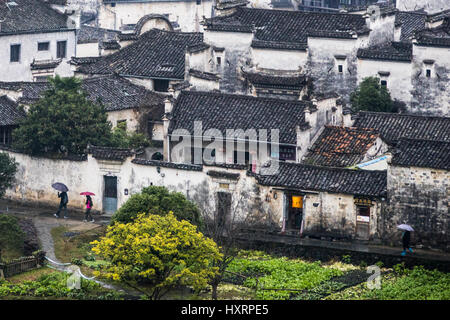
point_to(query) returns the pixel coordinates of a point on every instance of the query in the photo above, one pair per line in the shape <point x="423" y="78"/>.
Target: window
<point x="428" y="73"/>
<point x="61" y="49"/>
<point x="161" y="85"/>
<point x="219" y="61"/>
<point x="113" y="4"/>
<point x="199" y="1"/>
<point x="287" y="153"/>
<point x="340" y="68"/>
<point x="384" y="83"/>
<point x="41" y="78"/>
<point x="43" y="46"/>
<point x="15" y="53"/>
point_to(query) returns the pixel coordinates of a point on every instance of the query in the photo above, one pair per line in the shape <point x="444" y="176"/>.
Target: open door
<point x="110" y="194"/>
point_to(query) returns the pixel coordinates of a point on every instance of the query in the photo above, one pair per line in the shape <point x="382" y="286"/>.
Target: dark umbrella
<point x="87" y="193"/>
<point x="60" y="187"/>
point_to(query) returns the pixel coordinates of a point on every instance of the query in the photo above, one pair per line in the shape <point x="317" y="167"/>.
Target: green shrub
<point x="11" y="237"/>
<point x="158" y="200"/>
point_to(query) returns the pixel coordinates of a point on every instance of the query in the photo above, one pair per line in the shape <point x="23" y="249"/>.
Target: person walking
<point x="406" y="238"/>
<point x="89" y="205"/>
<point x="62" y="204"/>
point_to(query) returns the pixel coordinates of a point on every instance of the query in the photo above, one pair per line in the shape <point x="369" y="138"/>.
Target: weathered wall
<point x="88" y="49"/>
<point x="236" y="54"/>
<point x="20" y="71"/>
<point x="419" y="197"/>
<point x="279" y="59"/>
<point x="398" y="80"/>
<point x="130" y="115"/>
<point x="431" y="95"/>
<point x="187" y="13"/>
<point x="431" y="6"/>
<point x="322" y="65"/>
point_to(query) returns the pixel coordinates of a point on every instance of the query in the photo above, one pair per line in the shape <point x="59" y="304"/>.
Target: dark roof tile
<point x="10" y="113"/>
<point x="422" y="153"/>
<point x="336" y="180"/>
<point x="29" y="16"/>
<point x="230" y="111"/>
<point x="393" y="127"/>
<point x="155" y="54"/>
<point x="287" y="29"/>
<point x="393" y="51"/>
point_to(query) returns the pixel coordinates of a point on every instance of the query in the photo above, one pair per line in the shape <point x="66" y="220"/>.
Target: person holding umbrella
<point x="89" y="205"/>
<point x="64" y="198"/>
<point x="406" y="237"/>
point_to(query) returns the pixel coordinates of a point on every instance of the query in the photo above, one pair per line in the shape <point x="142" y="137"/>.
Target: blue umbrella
<point x="405" y="227"/>
<point x="60" y="187"/>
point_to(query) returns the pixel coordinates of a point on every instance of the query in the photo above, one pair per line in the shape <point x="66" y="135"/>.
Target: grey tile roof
<point x="393" y="127"/>
<point x="114" y="92"/>
<point x="273" y="80"/>
<point x="89" y="34"/>
<point x="439" y="36"/>
<point x="336" y="180"/>
<point x="30" y="16"/>
<point x="230" y="111"/>
<point x="410" y="22"/>
<point x="422" y="153"/>
<point x="341" y="146"/>
<point x="223" y="174"/>
<point x="107" y="153"/>
<point x="10" y="113"/>
<point x="288" y="29"/>
<point x="155" y="54"/>
<point x="165" y="164"/>
<point x="393" y="51"/>
<point x="204" y="75"/>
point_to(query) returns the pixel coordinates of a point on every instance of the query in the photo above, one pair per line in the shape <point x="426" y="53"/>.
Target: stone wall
<point x="419" y="197"/>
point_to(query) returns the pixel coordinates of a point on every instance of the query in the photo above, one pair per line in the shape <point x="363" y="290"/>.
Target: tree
<point x="8" y="168"/>
<point x="372" y="96"/>
<point x="158" y="251"/>
<point x="11" y="235"/>
<point x="227" y="219"/>
<point x="63" y="120"/>
<point x="158" y="200"/>
<point x="123" y="139"/>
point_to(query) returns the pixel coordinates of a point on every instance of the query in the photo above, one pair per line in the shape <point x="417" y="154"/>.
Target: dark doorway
<point x="110" y="194"/>
<point x="362" y="222"/>
<point x="223" y="209"/>
<point x="295" y="212"/>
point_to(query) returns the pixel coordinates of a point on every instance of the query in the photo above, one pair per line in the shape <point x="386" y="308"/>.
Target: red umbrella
<point x="87" y="193"/>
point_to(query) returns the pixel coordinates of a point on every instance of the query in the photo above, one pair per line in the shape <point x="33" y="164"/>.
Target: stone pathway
<point x="44" y="222"/>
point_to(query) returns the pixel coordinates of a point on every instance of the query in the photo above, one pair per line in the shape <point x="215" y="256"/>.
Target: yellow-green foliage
<point x="160" y="251"/>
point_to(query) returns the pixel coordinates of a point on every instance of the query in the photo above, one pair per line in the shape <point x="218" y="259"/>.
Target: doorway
<point x="295" y="212"/>
<point x="223" y="209"/>
<point x="110" y="194"/>
<point x="362" y="222"/>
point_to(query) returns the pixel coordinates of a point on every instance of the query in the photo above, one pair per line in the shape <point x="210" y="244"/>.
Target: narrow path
<point x="44" y="221"/>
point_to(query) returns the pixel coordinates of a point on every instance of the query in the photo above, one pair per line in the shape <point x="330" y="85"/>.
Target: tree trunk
<point x="214" y="291"/>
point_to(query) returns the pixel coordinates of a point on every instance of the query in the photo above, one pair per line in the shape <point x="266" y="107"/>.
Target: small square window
<point x="219" y="61"/>
<point x="43" y="46"/>
<point x="428" y="73"/>
<point x="384" y="83"/>
<point x="340" y="68"/>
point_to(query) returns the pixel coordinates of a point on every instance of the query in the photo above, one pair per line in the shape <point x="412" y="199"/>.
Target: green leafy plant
<point x="372" y="96"/>
<point x="158" y="200"/>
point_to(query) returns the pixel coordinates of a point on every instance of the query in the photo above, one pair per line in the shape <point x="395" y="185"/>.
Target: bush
<point x="372" y="96"/>
<point x="159" y="251"/>
<point x="158" y="200"/>
<point x="11" y="235"/>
